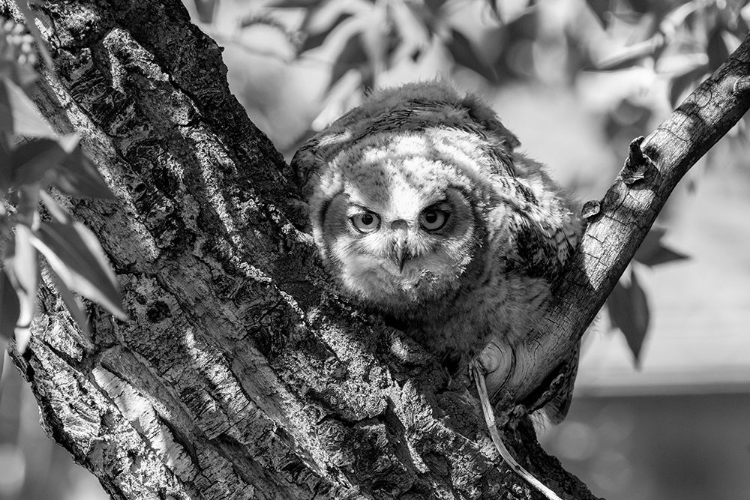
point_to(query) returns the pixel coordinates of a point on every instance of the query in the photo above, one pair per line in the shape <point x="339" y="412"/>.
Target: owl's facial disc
<point x="430" y="220"/>
<point x="399" y="251"/>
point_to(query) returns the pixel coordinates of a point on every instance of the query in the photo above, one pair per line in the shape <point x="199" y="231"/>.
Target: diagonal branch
<point x="618" y="223"/>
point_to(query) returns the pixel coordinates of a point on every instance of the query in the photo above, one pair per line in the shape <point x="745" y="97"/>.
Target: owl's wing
<point x="544" y="245"/>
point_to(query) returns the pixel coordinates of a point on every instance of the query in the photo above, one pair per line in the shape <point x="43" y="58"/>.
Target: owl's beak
<point x="400" y="252"/>
<point x="400" y="256"/>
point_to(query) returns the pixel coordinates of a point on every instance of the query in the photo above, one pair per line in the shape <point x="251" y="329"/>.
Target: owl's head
<point x="399" y="190"/>
<point x="394" y="222"/>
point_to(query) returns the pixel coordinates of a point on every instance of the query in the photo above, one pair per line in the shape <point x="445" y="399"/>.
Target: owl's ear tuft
<point x="487" y="118"/>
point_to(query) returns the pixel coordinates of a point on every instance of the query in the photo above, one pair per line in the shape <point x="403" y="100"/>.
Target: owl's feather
<point x="409" y="159"/>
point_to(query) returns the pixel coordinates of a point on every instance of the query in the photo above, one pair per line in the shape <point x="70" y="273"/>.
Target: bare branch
<point x="620" y="221"/>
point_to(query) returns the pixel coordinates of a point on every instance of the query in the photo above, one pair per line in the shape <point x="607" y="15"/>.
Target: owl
<point x="423" y="211"/>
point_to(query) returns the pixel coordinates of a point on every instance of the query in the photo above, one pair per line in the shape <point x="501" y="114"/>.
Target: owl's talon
<point x="516" y="414"/>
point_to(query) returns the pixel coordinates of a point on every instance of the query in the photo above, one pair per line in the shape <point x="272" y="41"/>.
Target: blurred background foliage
<point x="663" y="391"/>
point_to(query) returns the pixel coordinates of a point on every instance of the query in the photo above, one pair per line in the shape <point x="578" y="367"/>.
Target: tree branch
<point x="618" y="224"/>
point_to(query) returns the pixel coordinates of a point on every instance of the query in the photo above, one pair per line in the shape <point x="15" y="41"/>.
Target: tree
<point x="241" y="373"/>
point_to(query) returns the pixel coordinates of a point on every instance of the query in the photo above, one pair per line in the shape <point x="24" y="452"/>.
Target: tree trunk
<point x="241" y="374"/>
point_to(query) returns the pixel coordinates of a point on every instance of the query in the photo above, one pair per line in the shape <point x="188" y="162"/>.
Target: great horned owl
<point x="423" y="211"/>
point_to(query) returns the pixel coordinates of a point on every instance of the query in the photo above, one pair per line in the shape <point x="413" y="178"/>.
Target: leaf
<point x="78" y="176"/>
<point x="628" y="311"/>
<point x="32" y="160"/>
<point x="314" y="40"/>
<point x="463" y="54"/>
<point x="18" y="115"/>
<point x="31" y="26"/>
<point x="653" y="252"/>
<point x="412" y="23"/>
<point x="205" y="10"/>
<point x="375" y="42"/>
<point x="507" y="11"/>
<point x="4" y="368"/>
<point x="70" y="302"/>
<point x="9" y="309"/>
<point x="74" y="253"/>
<point x="678" y="17"/>
<point x="716" y="49"/>
<point x="492" y="4"/>
<point x="55" y="209"/>
<point x="22" y="74"/>
<point x="324" y="16"/>
<point x="27" y="203"/>
<point x="629" y="56"/>
<point x="6" y="115"/>
<point x="5" y="171"/>
<point x="600" y="8"/>
<point x="434" y="5"/>
<point x="681" y="83"/>
<point x="64" y="164"/>
<point x="293" y="4"/>
<point x="22" y="270"/>
<point x="352" y="56"/>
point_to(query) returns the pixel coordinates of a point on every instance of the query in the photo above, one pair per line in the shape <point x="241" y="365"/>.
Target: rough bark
<point x="240" y="373"/>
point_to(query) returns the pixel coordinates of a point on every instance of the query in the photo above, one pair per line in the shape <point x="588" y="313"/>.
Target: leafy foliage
<point x="628" y="311"/>
<point x="33" y="159"/>
<point x="690" y="39"/>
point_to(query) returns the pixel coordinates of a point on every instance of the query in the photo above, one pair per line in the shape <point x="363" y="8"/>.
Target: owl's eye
<point x="365" y="222"/>
<point x="433" y="219"/>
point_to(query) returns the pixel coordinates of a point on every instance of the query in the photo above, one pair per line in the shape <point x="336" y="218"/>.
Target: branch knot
<point x="637" y="165"/>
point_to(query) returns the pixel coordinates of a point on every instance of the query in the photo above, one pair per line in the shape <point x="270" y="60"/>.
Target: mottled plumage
<point x="423" y="210"/>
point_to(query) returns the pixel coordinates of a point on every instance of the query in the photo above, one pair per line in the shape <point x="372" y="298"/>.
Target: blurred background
<point x="662" y="406"/>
